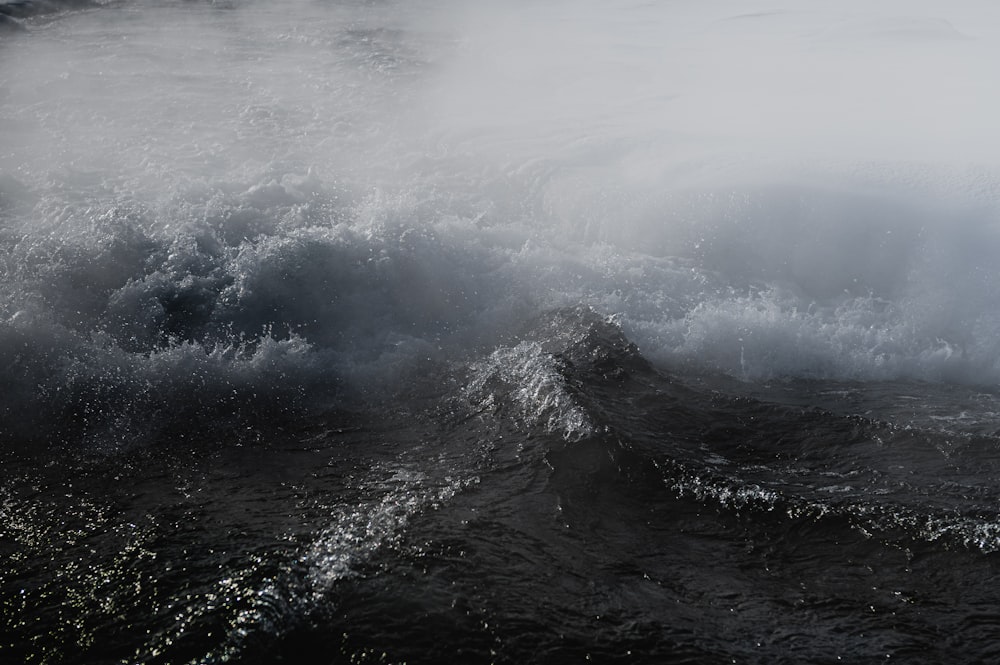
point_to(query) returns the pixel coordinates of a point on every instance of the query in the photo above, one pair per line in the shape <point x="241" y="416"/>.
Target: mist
<point x="789" y="189"/>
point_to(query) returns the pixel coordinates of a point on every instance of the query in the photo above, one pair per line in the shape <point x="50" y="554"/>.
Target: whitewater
<point x="524" y="332"/>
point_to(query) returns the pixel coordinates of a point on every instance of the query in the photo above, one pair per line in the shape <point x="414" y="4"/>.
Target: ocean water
<point x="527" y="332"/>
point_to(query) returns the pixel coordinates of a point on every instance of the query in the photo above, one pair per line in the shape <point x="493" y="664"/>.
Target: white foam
<point x="528" y="380"/>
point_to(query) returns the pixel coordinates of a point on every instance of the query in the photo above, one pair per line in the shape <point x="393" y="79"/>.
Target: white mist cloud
<point x="661" y="159"/>
<point x="892" y="80"/>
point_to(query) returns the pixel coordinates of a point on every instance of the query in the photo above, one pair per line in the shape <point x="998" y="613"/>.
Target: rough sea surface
<point x="384" y="331"/>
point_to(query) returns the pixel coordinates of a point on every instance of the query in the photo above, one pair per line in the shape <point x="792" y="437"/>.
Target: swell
<point x="621" y="420"/>
<point x="563" y="498"/>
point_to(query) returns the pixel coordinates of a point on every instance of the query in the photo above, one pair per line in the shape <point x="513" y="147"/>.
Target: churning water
<point x="524" y="332"/>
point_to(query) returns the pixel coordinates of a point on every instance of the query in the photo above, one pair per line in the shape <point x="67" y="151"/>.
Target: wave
<point x="269" y="294"/>
<point x="337" y="532"/>
<point x="618" y="419"/>
<point x="308" y="240"/>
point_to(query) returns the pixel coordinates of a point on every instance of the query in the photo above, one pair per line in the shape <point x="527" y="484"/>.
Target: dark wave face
<point x="338" y="332"/>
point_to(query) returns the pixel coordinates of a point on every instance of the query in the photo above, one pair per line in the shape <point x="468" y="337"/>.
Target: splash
<point x="327" y="198"/>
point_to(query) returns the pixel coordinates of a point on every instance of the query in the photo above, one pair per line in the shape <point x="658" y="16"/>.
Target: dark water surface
<point x="673" y="523"/>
